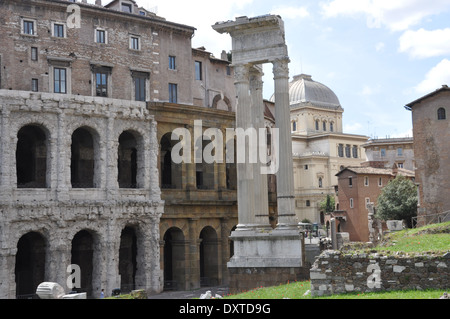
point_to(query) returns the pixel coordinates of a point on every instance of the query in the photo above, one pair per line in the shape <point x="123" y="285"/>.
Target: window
<point x="400" y="165"/>
<point x="126" y="7"/>
<point x="198" y="70"/>
<point x="28" y="27"/>
<point x="59" y="80"/>
<point x="172" y="65"/>
<point x="331" y="127"/>
<point x="306" y="167"/>
<point x="134" y="43"/>
<point x="308" y="203"/>
<point x="58" y="30"/>
<point x="140" y="87"/>
<point x="383" y="152"/>
<point x="366" y="181"/>
<point x="380" y="182"/>
<point x="324" y="125"/>
<point x="399" y="151"/>
<point x="441" y="114"/>
<point x="341" y="150"/>
<point x="351" y="202"/>
<point x="34" y="85"/>
<point x="142" y="13"/>
<point x="228" y="70"/>
<point x="34" y="54"/>
<point x="100" y="36"/>
<point x="367" y="199"/>
<point x="320" y="182"/>
<point x="317" y="125"/>
<point x="347" y="151"/>
<point x="350" y="182"/>
<point x="172" y="93"/>
<point x="355" y="151"/>
<point x="101" y="83"/>
<point x="294" y="126"/>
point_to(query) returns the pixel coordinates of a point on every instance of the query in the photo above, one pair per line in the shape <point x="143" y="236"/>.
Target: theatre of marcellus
<point x="89" y="97"/>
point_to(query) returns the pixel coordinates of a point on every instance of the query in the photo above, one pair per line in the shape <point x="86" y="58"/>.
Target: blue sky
<point x="376" y="55"/>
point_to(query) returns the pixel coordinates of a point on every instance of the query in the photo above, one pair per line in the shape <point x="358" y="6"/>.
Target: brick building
<point x="390" y="151"/>
<point x="83" y="89"/>
<point x="431" y="135"/>
<point x="359" y="186"/>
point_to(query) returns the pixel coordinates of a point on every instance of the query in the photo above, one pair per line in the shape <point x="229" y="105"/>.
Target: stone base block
<point x="244" y="279"/>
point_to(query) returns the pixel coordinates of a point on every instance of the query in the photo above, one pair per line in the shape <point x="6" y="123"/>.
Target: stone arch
<point x="174" y="259"/>
<point x="170" y="172"/>
<point x="218" y="100"/>
<point x="85" y="251"/>
<point x="30" y="263"/>
<point x="85" y="158"/>
<point x="33" y="157"/>
<point x="131" y="159"/>
<point x="128" y="259"/>
<point x="209" y="258"/>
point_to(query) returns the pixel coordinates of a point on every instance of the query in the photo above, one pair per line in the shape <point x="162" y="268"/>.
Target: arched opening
<point x="82" y="255"/>
<point x="127" y="161"/>
<point x="204" y="172"/>
<point x="127" y="259"/>
<point x="31" y="157"/>
<point x="441" y="114"/>
<point x="174" y="259"/>
<point x="30" y="264"/>
<point x="82" y="164"/>
<point x="170" y="172"/>
<point x="209" y="262"/>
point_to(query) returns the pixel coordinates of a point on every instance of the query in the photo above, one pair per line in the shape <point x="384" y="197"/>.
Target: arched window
<point x="324" y="125"/>
<point x="317" y="125"/>
<point x="320" y="182"/>
<point x="331" y="127"/>
<point x="294" y="126"/>
<point x="441" y="114"/>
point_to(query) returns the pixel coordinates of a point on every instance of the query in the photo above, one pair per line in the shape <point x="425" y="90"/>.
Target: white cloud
<point x="396" y="15"/>
<point x="289" y="12"/>
<point x="425" y="44"/>
<point x="435" y="78"/>
<point x="380" y="47"/>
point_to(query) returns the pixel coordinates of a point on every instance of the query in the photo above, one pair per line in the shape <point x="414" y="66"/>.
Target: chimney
<point x="98" y="2"/>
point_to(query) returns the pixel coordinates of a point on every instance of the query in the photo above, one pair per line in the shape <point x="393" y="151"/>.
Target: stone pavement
<point x="191" y="294"/>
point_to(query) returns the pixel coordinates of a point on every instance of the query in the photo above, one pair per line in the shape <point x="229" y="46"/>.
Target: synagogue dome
<point x="304" y="91"/>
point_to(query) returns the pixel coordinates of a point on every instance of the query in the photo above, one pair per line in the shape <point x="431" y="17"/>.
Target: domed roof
<point x="303" y="90"/>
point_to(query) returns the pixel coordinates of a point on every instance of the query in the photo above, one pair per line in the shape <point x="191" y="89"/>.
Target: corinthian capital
<point x="281" y="68"/>
<point x="241" y="73"/>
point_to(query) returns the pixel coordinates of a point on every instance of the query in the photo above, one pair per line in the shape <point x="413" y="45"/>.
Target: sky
<point x="376" y="55"/>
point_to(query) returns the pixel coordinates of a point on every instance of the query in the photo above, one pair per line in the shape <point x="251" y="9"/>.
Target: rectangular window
<point x="198" y="70"/>
<point x="355" y="151"/>
<point x="324" y="125"/>
<point x="306" y="167"/>
<point x="383" y="152"/>
<point x="366" y="181"/>
<point x="100" y="36"/>
<point x="59" y="80"/>
<point x="139" y="88"/>
<point x="380" y="182"/>
<point x="126" y="7"/>
<point x="228" y="70"/>
<point x="101" y="83"/>
<point x="34" y="54"/>
<point x="172" y="93"/>
<point x="400" y="165"/>
<point x="58" y="30"/>
<point x="34" y="85"/>
<point x="28" y="27"/>
<point x="341" y="150"/>
<point x="347" y="151"/>
<point x="308" y="203"/>
<point x="350" y="182"/>
<point x="351" y="202"/>
<point x="134" y="43"/>
<point x="172" y="65"/>
<point x="400" y="151"/>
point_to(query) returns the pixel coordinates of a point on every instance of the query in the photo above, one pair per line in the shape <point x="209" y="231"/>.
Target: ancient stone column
<point x="246" y="184"/>
<point x="257" y="118"/>
<point x="285" y="186"/>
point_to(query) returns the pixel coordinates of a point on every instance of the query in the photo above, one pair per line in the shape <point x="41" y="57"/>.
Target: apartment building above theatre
<point x="86" y="49"/>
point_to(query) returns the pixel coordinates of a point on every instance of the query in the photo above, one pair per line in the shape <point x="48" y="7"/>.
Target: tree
<point x="327" y="204"/>
<point x="398" y="200"/>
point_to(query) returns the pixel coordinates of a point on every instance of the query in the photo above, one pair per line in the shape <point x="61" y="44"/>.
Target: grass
<point x="432" y="238"/>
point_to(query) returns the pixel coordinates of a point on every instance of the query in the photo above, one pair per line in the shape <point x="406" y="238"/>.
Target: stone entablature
<point x="336" y="272"/>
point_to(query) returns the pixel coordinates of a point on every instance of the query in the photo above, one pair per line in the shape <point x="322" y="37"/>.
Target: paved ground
<point x="220" y="290"/>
